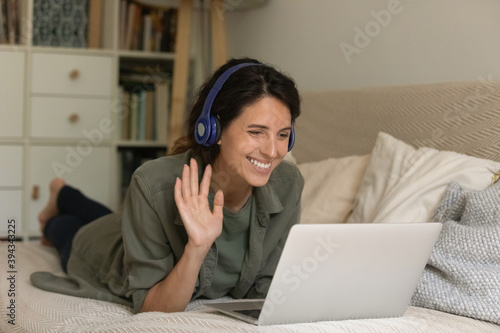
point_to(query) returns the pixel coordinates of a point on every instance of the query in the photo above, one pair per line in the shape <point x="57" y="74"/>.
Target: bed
<point x="370" y="155"/>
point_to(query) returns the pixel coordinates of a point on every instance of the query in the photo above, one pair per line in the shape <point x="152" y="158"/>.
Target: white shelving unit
<point x="60" y="117"/>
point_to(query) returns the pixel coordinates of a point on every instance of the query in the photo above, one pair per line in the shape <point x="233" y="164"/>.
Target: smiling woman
<point x="180" y="238"/>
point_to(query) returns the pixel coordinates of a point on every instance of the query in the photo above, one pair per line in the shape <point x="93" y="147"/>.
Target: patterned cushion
<point x="59" y="23"/>
<point x="463" y="274"/>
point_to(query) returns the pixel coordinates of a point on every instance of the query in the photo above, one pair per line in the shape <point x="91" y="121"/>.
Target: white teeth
<point x="260" y="165"/>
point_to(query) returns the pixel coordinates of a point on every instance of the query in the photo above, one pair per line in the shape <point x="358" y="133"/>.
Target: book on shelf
<point x="95" y="23"/>
<point x="147" y="27"/>
<point x="124" y="113"/>
<point x="145" y="111"/>
<point x="149" y="134"/>
<point x="162" y="107"/>
<point x="146" y="33"/>
<point x="9" y="22"/>
<point x="133" y="116"/>
<point x="136" y="38"/>
<point x="122" y="27"/>
<point x="3" y="26"/>
<point x="141" y="116"/>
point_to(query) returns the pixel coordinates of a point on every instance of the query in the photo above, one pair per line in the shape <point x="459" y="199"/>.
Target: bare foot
<point x="51" y="209"/>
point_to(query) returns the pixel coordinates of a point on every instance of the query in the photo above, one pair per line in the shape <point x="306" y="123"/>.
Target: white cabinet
<point x="84" y="167"/>
<point x="12" y="81"/>
<point x="70" y="106"/>
<point x="11" y="162"/>
<point x="64" y="117"/>
<point x="71" y="74"/>
<point x="11" y="93"/>
<point x="66" y="101"/>
<point x="10" y="208"/>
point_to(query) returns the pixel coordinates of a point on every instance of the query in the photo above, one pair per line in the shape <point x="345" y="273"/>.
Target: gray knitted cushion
<point x="463" y="273"/>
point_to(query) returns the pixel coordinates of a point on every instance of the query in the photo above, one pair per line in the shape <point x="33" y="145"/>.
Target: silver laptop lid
<point x="348" y="271"/>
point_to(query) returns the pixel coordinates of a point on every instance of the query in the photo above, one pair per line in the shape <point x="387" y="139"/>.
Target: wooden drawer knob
<point x="73" y="118"/>
<point x="74" y="74"/>
<point x="35" y="192"/>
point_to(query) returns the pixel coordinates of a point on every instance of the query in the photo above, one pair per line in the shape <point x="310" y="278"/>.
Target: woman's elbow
<point x="153" y="304"/>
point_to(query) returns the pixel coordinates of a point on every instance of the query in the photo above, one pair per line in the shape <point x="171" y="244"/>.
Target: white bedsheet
<point x="40" y="311"/>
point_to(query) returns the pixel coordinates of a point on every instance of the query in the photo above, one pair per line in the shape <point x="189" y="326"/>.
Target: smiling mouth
<point x="259" y="164"/>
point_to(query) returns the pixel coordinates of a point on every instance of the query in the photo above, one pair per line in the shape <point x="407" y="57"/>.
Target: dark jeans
<point x="75" y="211"/>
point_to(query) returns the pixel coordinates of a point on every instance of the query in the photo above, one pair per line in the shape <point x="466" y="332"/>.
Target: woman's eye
<point x="284" y="135"/>
<point x="254" y="132"/>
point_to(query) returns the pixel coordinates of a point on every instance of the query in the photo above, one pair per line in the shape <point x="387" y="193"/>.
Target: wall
<point x="328" y="44"/>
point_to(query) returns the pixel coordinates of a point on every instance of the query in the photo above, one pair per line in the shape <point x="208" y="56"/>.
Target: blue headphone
<point x="207" y="129"/>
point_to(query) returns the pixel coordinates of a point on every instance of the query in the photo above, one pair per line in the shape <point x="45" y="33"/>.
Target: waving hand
<point x="202" y="225"/>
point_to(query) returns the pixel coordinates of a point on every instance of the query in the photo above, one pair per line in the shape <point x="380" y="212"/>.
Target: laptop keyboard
<point x="251" y="313"/>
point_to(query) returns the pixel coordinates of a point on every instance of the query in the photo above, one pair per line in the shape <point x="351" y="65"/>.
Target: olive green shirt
<point x="121" y="256"/>
<point x="232" y="244"/>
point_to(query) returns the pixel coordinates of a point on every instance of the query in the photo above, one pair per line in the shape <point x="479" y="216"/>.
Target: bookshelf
<point x="66" y="107"/>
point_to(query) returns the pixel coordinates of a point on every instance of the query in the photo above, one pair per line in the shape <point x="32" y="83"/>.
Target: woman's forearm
<point x="173" y="293"/>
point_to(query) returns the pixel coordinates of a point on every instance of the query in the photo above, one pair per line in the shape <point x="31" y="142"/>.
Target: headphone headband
<point x="206" y="125"/>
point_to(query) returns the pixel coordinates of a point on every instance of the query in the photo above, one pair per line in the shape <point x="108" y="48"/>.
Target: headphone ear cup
<point x="200" y="131"/>
<point x="214" y="131"/>
<point x="217" y="129"/>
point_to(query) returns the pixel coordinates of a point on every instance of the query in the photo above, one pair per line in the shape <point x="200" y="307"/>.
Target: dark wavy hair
<point x="243" y="88"/>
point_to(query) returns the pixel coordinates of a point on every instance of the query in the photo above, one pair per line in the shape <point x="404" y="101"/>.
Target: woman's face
<point x="255" y="142"/>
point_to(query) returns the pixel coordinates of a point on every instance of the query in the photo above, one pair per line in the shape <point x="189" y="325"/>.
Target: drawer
<point x="53" y="117"/>
<point x="11" y="94"/>
<point x="11" y="166"/>
<point x="71" y="74"/>
<point x="88" y="170"/>
<point x="10" y="203"/>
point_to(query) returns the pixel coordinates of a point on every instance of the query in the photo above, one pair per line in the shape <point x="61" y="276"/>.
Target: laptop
<point x="342" y="271"/>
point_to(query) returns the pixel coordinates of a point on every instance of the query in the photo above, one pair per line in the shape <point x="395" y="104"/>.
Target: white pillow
<point x="330" y="188"/>
<point x="404" y="184"/>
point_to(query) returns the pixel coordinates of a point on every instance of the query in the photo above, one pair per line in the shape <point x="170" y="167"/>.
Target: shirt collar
<point x="267" y="200"/>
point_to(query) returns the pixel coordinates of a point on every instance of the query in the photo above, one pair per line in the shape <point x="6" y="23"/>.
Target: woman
<point x="178" y="238"/>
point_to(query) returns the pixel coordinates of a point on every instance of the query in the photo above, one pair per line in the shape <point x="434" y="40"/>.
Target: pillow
<point x="404" y="184"/>
<point x="463" y="273"/>
<point x="330" y="188"/>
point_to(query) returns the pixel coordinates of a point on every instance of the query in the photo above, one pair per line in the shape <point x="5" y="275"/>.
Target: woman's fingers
<point x="178" y="193"/>
<point x="185" y="180"/>
<point x="194" y="176"/>
<point x="218" y="204"/>
<point x="205" y="181"/>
